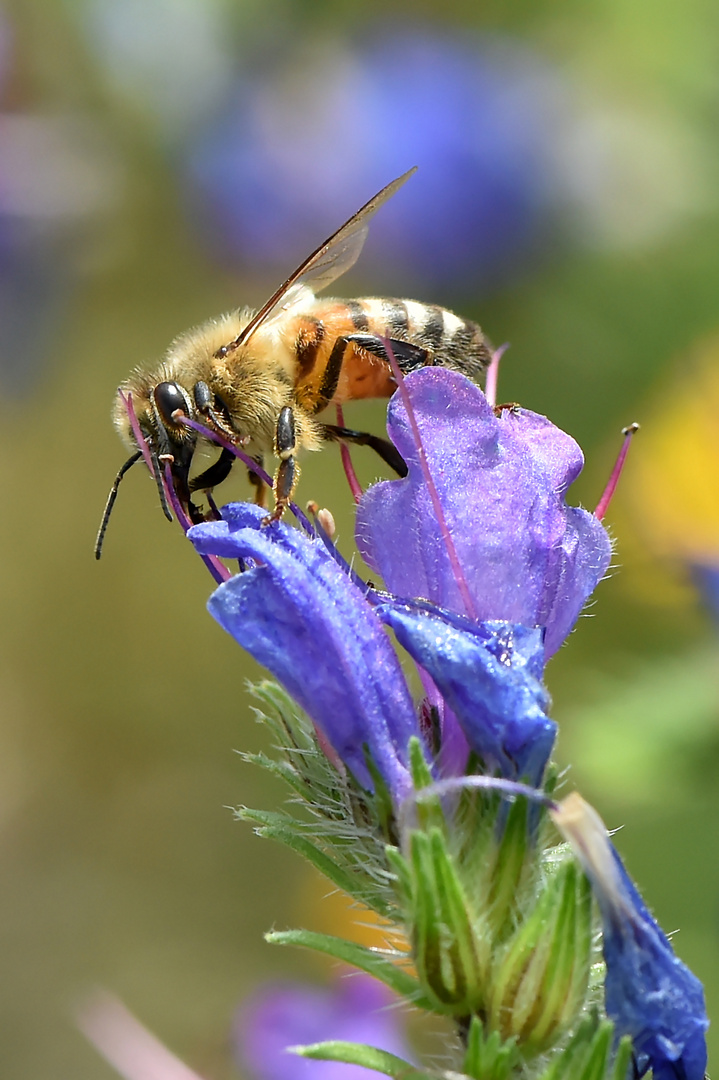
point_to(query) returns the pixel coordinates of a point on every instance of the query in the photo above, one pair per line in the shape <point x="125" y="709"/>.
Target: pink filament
<point x="251" y="464"/>
<point x="137" y="431"/>
<point x="433" y="494"/>
<point x="355" y="486"/>
<point x="218" y="570"/>
<point x="490" y="385"/>
<point x="603" y="504"/>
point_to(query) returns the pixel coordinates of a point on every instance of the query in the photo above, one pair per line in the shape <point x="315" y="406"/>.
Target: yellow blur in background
<point x="162" y="162"/>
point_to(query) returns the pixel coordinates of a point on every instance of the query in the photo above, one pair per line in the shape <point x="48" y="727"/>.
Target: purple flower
<point x="356" y="1009"/>
<point x="526" y="556"/>
<point x="296" y="610"/>
<point x="299" y="614"/>
<point x="529" y="561"/>
<point x="650" y="994"/>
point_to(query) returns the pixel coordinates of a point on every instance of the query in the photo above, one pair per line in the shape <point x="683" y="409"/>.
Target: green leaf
<point x="282" y="828"/>
<point x="283" y="770"/>
<point x="587" y="1055"/>
<point x="359" y="956"/>
<point x="622" y="1059"/>
<point x="366" y="1056"/>
<point x="487" y="1057"/>
<point x="398" y="865"/>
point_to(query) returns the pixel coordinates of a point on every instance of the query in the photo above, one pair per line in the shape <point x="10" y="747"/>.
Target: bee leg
<point x="215" y="474"/>
<point x="288" y="472"/>
<point x="383" y="447"/>
<point x="204" y="399"/>
<point x="409" y="357"/>
<point x="258" y="484"/>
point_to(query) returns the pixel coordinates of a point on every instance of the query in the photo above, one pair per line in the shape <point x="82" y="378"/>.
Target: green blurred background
<point x="122" y="702"/>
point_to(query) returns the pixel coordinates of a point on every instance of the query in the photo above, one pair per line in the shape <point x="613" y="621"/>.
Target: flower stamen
<point x="603" y="504"/>
<point x="249" y="462"/>
<point x="148" y="452"/>
<point x="355" y="486"/>
<point x="490" y="385"/>
<point x="431" y="488"/>
<point x="218" y="570"/>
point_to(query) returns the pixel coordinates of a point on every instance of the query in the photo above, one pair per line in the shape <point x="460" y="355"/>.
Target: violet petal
<point x="301" y="617"/>
<point x="650" y="994"/>
<point x="527" y="557"/>
<point x="490" y="677"/>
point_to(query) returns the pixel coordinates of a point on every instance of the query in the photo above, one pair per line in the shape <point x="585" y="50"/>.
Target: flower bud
<point x="541" y="976"/>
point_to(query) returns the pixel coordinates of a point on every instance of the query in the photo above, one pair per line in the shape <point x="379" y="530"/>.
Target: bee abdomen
<point x="450" y="340"/>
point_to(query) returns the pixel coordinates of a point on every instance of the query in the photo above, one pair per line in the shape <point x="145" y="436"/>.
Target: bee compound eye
<point x="169" y="397"/>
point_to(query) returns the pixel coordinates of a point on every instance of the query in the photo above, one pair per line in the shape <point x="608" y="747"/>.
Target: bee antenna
<point x="158" y="480"/>
<point x="111" y="501"/>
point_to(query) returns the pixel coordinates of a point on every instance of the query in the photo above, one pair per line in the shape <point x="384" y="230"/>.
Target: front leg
<point x="258" y="484"/>
<point x="288" y="470"/>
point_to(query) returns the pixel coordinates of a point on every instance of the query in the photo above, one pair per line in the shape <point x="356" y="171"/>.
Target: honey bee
<point x="261" y="379"/>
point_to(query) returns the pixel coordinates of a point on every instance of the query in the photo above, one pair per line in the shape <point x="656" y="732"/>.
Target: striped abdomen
<point x="448" y="340"/>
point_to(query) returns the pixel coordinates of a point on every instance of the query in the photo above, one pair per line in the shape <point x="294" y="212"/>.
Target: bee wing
<point x="328" y="262"/>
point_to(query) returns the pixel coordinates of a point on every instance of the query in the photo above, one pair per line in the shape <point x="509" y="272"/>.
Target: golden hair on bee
<point x="260" y="380"/>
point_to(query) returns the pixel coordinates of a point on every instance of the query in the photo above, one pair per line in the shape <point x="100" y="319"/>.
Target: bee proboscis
<point x="261" y="379"/>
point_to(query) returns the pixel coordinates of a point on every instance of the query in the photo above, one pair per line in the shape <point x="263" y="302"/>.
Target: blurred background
<point x="165" y="160"/>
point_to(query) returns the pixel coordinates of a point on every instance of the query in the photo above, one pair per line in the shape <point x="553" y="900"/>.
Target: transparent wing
<point x="325" y="265"/>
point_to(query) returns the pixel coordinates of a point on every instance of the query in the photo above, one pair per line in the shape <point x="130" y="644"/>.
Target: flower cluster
<point x="439" y="814"/>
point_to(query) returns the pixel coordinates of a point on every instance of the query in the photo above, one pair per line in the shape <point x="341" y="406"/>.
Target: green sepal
<point x="509" y="867"/>
<point x="403" y="876"/>
<point x="540" y="983"/>
<point x="359" y="956"/>
<point x="487" y="1057"/>
<point x="360" y="1054"/>
<point x="588" y="1054"/>
<point x="448" y="951"/>
<point x="623" y="1059"/>
<point x="428" y="809"/>
<point x="285" y="830"/>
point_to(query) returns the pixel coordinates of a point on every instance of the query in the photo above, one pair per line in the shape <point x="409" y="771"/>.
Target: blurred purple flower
<point x="526" y="556"/>
<point x="6" y="43"/>
<point x="301" y="145"/>
<point x="356" y="1009"/>
<point x="58" y="179"/>
<point x="705" y="576"/>
<point x="649" y="993"/>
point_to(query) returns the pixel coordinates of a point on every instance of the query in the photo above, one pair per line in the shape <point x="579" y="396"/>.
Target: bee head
<point x="156" y="411"/>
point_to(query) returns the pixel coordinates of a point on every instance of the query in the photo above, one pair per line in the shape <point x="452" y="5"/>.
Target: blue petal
<point x="301" y="617"/>
<point x="490" y="676"/>
<point x="650" y="993"/>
